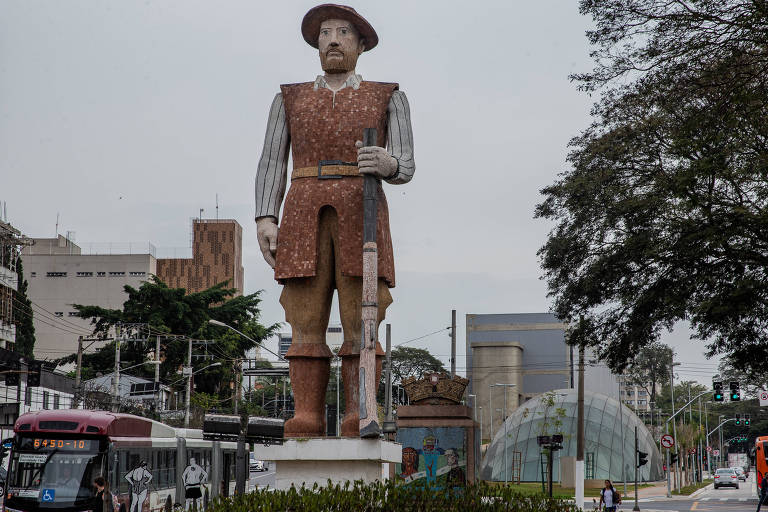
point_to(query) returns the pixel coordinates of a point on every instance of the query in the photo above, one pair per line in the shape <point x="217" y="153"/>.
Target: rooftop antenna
<point x="217" y="206"/>
<point x="57" y="224"/>
<point x="201" y="214"/>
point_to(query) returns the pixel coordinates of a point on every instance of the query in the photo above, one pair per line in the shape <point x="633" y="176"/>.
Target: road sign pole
<point x="669" y="469"/>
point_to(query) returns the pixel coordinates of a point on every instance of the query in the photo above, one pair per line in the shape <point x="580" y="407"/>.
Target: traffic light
<point x="738" y="419"/>
<point x="34" y="368"/>
<point x="735" y="394"/>
<point x="672" y="459"/>
<point x="642" y="458"/>
<point x="746" y="420"/>
<point x="718" y="387"/>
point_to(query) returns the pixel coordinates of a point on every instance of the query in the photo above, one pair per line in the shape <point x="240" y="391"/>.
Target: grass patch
<point x="690" y="489"/>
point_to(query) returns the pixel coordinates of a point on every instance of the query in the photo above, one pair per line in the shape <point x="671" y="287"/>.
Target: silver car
<point x="726" y="477"/>
<point x="740" y="473"/>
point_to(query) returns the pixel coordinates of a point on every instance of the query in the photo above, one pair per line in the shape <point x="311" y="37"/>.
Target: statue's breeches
<point x="297" y="245"/>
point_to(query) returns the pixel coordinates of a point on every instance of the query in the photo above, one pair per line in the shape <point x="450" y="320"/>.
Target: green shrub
<point x="389" y="496"/>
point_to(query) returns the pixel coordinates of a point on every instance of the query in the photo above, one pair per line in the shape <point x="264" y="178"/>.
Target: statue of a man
<point x="319" y="247"/>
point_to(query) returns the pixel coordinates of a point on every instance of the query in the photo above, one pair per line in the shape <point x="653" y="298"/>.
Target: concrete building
<point x="527" y="351"/>
<point x="60" y="275"/>
<point x="217" y="256"/>
<point x="334" y="337"/>
<point x="637" y="397"/>
<point x="56" y="391"/>
<point x="11" y="242"/>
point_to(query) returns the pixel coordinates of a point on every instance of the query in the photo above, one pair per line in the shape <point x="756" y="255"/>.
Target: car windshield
<point x="724" y="471"/>
<point x="53" y="476"/>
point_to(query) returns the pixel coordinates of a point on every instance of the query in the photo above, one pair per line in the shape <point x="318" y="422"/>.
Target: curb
<point x="694" y="494"/>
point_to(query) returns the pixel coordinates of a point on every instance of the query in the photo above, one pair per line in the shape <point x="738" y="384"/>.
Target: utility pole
<point x="116" y="375"/>
<point x="636" y="507"/>
<point x="78" y="392"/>
<point x="701" y="462"/>
<point x="157" y="375"/>
<point x="706" y="428"/>
<point x="453" y="343"/>
<point x="579" y="470"/>
<point x="238" y="384"/>
<point x="622" y="383"/>
<point x="674" y="423"/>
<point x="188" y="394"/>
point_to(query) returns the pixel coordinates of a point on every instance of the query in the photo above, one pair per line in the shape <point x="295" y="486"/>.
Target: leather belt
<point x="326" y="169"/>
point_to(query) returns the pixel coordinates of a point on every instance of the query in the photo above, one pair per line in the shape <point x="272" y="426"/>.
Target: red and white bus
<point x="150" y="467"/>
<point x="761" y="460"/>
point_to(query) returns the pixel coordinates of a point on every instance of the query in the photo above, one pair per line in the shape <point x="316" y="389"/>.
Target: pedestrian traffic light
<point x="746" y="420"/>
<point x="642" y="458"/>
<point x="34" y="368"/>
<point x="738" y="419"/>
<point x="735" y="394"/>
<point x="718" y="387"/>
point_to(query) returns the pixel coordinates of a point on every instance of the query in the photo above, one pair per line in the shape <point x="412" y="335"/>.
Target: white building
<point x="60" y="275"/>
<point x="334" y="337"/>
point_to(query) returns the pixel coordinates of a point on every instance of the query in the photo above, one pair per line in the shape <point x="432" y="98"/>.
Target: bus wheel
<point x="168" y="504"/>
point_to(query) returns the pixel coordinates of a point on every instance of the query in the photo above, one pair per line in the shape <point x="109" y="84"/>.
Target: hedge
<point x="389" y="496"/>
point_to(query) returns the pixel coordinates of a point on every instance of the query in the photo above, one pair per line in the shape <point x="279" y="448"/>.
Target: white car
<point x="740" y="473"/>
<point x="726" y="477"/>
<point x="258" y="465"/>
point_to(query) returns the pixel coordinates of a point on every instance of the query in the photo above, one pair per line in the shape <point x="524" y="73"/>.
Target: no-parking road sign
<point x="763" y="395"/>
<point x="667" y="441"/>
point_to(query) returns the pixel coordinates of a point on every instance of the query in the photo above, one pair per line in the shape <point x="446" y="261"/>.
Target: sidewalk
<point x="657" y="490"/>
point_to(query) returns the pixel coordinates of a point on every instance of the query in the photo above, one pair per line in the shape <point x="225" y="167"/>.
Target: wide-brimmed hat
<point x="310" y="25"/>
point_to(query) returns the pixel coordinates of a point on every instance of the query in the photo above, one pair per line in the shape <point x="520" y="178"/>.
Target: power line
<point x="422" y="337"/>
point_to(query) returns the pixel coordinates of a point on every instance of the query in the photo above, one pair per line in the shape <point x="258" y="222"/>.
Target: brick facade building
<point x="217" y="256"/>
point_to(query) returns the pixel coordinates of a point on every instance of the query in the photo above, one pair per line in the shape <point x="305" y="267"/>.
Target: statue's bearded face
<point x="340" y="45"/>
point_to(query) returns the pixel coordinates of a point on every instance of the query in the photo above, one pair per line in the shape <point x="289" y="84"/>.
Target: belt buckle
<point x="322" y="176"/>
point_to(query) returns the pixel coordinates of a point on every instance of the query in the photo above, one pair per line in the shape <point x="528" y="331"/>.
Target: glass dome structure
<point x="605" y="449"/>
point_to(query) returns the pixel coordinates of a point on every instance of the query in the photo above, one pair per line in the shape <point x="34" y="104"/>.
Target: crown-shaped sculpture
<point x="435" y="388"/>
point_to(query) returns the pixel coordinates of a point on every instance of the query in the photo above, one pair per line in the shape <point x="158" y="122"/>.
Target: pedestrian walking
<point x="609" y="497"/>
<point x="763" y="491"/>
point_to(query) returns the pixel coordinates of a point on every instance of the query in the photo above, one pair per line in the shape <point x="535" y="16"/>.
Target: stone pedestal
<point x="316" y="460"/>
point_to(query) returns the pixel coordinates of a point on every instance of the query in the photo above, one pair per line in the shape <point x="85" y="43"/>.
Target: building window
<point x="137" y="274"/>
<point x="642" y="392"/>
<point x="642" y="402"/>
<point x="101" y="274"/>
<point x="56" y="274"/>
<point x="116" y="274"/>
<point x="85" y="274"/>
<point x="59" y="313"/>
<point x="28" y="396"/>
<point x="56" y="399"/>
<point x="45" y="400"/>
<point x="334" y="329"/>
<point x="630" y="402"/>
<point x="33" y="274"/>
<point x="72" y="313"/>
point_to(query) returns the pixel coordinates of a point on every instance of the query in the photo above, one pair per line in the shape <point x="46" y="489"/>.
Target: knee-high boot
<point x="309" y="367"/>
<point x="350" y="374"/>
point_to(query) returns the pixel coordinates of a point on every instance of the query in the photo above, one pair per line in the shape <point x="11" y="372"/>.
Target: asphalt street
<point x="264" y="478"/>
<point x="724" y="499"/>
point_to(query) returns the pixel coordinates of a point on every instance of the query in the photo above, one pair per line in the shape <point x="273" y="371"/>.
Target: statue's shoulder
<point x="393" y="86"/>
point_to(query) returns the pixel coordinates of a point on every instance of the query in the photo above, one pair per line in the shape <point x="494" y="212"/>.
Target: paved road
<point x="263" y="478"/>
<point x="710" y="500"/>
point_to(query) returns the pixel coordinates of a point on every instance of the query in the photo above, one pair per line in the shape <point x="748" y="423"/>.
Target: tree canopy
<point x="23" y="314"/>
<point x="175" y="316"/>
<point x="413" y="362"/>
<point x="651" y="367"/>
<point x="662" y="213"/>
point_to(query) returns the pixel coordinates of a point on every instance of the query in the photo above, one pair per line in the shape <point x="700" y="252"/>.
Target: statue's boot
<point x="350" y="374"/>
<point x="309" y="367"/>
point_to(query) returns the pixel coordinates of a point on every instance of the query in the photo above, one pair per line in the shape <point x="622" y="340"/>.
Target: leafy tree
<point x="662" y="215"/>
<point x="171" y="311"/>
<point x="651" y="367"/>
<point x="22" y="312"/>
<point x="413" y="362"/>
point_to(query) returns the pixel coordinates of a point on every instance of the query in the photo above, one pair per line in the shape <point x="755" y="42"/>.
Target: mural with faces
<point x="432" y="456"/>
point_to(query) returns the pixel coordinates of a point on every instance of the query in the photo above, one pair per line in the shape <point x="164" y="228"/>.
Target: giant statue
<point x="317" y="247"/>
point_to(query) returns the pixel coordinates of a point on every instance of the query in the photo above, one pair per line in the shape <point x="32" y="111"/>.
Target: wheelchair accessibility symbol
<point x="48" y="495"/>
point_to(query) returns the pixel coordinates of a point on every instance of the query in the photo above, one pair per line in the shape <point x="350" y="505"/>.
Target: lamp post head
<point x="216" y="322"/>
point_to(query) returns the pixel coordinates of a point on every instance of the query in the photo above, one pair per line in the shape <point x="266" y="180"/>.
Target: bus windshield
<point x="53" y="472"/>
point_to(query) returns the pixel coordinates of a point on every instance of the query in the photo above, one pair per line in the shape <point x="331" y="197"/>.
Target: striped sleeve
<point x="271" y="176"/>
<point x="400" y="138"/>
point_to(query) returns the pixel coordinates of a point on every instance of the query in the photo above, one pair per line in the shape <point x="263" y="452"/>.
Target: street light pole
<point x="188" y="394"/>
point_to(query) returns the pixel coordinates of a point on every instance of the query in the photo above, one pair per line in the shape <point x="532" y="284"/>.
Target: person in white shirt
<point x="609" y="497"/>
<point x="193" y="477"/>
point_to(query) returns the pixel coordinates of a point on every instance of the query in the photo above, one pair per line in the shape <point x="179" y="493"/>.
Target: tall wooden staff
<point x="369" y="426"/>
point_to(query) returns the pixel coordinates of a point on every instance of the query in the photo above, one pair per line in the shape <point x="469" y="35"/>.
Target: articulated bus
<point x="761" y="460"/>
<point x="149" y="466"/>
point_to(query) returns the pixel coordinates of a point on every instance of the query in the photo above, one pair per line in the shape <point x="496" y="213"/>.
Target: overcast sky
<point x="127" y="117"/>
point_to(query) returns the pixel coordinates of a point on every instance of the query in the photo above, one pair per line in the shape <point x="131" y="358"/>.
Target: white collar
<point x="352" y="81"/>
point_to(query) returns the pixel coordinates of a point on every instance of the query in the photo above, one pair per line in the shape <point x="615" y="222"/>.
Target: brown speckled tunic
<point x="326" y="128"/>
